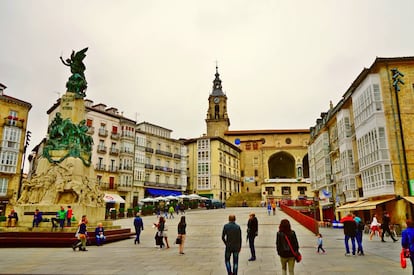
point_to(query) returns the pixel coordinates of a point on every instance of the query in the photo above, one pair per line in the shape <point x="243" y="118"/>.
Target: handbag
<point x="297" y="255"/>
<point x="178" y="240"/>
<point x="77" y="233"/>
<point x="405" y="253"/>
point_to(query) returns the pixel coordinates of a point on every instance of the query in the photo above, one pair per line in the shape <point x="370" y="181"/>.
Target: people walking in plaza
<point x="375" y="227"/>
<point x="269" y="208"/>
<point x="171" y="211"/>
<point x="252" y="231"/>
<point x="320" y="243"/>
<point x="82" y="235"/>
<point x="407" y="240"/>
<point x="284" y="237"/>
<point x="166" y="211"/>
<point x="139" y="226"/>
<point x="69" y="215"/>
<point x="12" y="218"/>
<point x="359" y="234"/>
<point x="182" y="208"/>
<point x="177" y="209"/>
<point x="160" y="232"/>
<point x="274" y="207"/>
<point x="165" y="235"/>
<point x="100" y="234"/>
<point x="232" y="239"/>
<point x="181" y="230"/>
<point x="386" y="227"/>
<point x="37" y="218"/>
<point x="350" y="228"/>
<point x="61" y="216"/>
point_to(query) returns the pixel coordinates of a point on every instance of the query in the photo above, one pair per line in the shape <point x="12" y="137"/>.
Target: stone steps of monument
<point x="56" y="238"/>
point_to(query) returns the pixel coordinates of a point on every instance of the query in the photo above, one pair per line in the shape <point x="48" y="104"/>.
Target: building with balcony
<point x="160" y="161"/>
<point x="13" y="130"/>
<point x="360" y="153"/>
<point x="214" y="167"/>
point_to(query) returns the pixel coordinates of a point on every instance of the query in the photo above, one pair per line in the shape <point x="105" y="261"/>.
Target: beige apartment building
<point x="161" y="162"/>
<point x="361" y="150"/>
<point x="14" y="138"/>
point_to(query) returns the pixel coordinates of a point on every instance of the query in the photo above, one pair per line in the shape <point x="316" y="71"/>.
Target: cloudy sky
<point x="281" y="62"/>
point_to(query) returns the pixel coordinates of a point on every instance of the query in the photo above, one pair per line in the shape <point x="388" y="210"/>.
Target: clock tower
<point x="217" y="119"/>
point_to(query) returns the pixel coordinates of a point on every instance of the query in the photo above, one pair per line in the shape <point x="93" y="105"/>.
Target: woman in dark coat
<point x="181" y="234"/>
<point x="283" y="250"/>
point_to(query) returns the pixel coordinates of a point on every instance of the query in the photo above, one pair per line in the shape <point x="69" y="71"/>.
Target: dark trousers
<point x="386" y="228"/>
<point x="347" y="244"/>
<point x="251" y="245"/>
<point x="359" y="241"/>
<point x="227" y="256"/>
<point x="137" y="234"/>
<point x="321" y="248"/>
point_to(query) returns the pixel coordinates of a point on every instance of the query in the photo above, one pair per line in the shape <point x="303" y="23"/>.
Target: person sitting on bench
<point x="37" y="218"/>
<point x="12" y="218"/>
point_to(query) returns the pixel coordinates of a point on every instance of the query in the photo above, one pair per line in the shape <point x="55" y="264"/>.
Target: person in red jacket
<point x="350" y="228"/>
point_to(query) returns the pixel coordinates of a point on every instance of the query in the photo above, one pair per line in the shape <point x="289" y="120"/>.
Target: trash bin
<point x="334" y="224"/>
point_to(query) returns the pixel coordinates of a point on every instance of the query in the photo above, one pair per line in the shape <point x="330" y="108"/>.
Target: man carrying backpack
<point x="359" y="234"/>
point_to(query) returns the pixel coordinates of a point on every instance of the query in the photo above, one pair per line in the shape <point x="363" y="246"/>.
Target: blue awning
<point x="162" y="192"/>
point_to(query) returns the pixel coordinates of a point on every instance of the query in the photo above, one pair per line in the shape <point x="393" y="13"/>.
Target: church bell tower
<point x="217" y="119"/>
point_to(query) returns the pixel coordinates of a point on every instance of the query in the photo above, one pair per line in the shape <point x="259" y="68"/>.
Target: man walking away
<point x="139" y="226"/>
<point x="350" y="227"/>
<point x="386" y="227"/>
<point x="231" y="237"/>
<point x="252" y="230"/>
<point x="359" y="234"/>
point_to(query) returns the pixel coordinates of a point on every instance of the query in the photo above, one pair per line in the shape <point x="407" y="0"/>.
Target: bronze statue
<point x="77" y="82"/>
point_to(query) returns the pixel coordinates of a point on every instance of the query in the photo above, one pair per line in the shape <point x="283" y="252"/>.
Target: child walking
<point x="320" y="243"/>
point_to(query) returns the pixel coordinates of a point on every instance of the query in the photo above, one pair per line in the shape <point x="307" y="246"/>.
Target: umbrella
<point x="171" y="197"/>
<point x="148" y="200"/>
<point x="160" y="199"/>
<point x="183" y="197"/>
<point x="194" y="197"/>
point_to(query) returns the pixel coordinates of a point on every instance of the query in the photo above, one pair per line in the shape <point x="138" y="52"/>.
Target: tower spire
<point x="217" y="88"/>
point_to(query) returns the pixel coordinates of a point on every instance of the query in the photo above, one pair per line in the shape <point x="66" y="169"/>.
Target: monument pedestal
<point x="93" y="214"/>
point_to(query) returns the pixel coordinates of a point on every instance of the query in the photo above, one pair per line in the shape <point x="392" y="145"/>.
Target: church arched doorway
<point x="281" y="165"/>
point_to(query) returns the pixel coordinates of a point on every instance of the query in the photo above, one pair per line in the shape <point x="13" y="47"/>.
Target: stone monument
<point x="64" y="175"/>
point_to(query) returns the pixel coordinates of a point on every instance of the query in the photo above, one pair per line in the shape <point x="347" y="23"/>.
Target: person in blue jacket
<point x="37" y="218"/>
<point x="407" y="240"/>
<point x="99" y="234"/>
<point x="139" y="226"/>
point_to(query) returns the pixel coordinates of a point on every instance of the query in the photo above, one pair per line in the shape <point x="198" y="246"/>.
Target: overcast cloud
<point x="281" y="62"/>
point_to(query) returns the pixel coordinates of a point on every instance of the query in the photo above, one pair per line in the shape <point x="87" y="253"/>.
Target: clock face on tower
<point x="216" y="100"/>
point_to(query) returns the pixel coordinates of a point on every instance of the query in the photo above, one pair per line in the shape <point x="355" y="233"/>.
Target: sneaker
<point x="347" y="254"/>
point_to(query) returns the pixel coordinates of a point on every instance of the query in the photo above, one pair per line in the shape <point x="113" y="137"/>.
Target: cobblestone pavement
<point x="204" y="251"/>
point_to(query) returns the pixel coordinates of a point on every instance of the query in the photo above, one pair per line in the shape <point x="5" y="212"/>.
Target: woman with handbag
<point x="287" y="247"/>
<point x="82" y="235"/>
<point x="407" y="243"/>
<point x="181" y="235"/>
